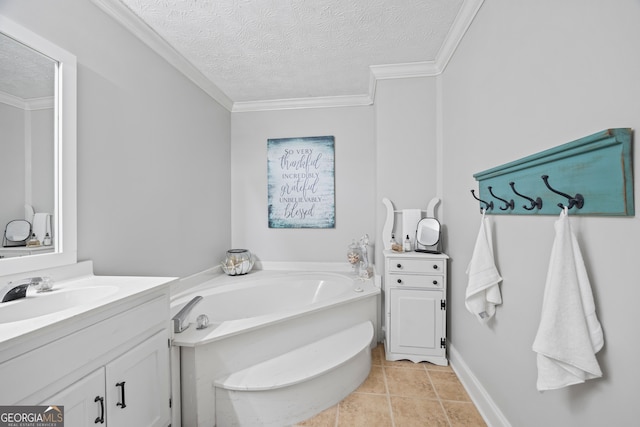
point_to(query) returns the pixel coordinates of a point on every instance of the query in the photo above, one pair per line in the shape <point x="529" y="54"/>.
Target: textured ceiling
<point x="24" y="73"/>
<point x="260" y="50"/>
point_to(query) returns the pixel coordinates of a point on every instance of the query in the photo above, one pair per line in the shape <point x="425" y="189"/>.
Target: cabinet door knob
<point x="121" y="404"/>
<point x="399" y="281"/>
<point x="435" y="266"/>
<point x="399" y="265"/>
<point x="100" y="419"/>
<point x="435" y="282"/>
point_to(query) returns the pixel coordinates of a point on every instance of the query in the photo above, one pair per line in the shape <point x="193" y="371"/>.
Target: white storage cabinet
<point x="416" y="307"/>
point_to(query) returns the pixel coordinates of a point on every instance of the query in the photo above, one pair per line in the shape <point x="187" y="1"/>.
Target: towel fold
<point x="483" y="292"/>
<point x="410" y="218"/>
<point x="41" y="225"/>
<point x="569" y="334"/>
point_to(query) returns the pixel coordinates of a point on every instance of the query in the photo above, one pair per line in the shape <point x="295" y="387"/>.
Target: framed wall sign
<point x="301" y="182"/>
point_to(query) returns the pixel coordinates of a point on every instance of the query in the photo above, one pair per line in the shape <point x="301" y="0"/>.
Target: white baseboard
<point x="486" y="406"/>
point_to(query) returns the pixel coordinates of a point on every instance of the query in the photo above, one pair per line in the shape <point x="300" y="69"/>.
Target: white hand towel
<point x="569" y="334"/>
<point x="41" y="225"/>
<point x="483" y="292"/>
<point x="410" y="218"/>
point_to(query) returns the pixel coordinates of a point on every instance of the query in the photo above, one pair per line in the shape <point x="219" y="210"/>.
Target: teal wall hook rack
<point x="590" y="176"/>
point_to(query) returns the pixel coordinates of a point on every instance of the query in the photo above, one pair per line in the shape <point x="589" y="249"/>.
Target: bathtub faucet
<point x="180" y="319"/>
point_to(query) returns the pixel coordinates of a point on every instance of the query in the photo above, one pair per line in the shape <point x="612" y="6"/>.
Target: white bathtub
<point x="258" y="317"/>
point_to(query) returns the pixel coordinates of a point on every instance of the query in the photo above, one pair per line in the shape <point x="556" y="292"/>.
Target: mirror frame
<point x="418" y="229"/>
<point x="65" y="215"/>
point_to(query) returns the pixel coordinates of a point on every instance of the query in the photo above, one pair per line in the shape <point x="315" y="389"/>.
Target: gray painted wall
<point x="407" y="170"/>
<point x="353" y="129"/>
<point x="529" y="76"/>
<point x="153" y="149"/>
<point x="12" y="185"/>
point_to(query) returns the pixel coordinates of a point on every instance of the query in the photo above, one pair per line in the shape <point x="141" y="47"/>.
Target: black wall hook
<point x="577" y="201"/>
<point x="509" y="204"/>
<point x="537" y="203"/>
<point x="488" y="206"/>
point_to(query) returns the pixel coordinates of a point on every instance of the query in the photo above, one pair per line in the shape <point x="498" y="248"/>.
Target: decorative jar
<point x="237" y="262"/>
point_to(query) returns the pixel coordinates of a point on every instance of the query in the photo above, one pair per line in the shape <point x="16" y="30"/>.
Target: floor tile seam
<point x="391" y="417"/>
<point x="384" y="378"/>
<point x="457" y="401"/>
<point x="446" y="414"/>
<point x="435" y="390"/>
<point x="370" y="393"/>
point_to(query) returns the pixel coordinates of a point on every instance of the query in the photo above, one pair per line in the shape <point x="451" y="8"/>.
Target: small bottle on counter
<point x="395" y="246"/>
<point x="33" y="241"/>
<point x="47" y="240"/>
<point x="407" y="244"/>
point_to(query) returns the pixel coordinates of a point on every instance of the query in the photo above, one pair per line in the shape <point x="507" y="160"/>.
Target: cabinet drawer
<point x="422" y="266"/>
<point x="415" y="281"/>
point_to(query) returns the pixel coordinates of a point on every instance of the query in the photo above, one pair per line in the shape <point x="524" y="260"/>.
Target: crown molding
<point x="298" y="103"/>
<point x="135" y="25"/>
<point x="26" y="104"/>
<point x="461" y="24"/>
<point x="13" y="101"/>
<point x="123" y="15"/>
<point x="43" y="103"/>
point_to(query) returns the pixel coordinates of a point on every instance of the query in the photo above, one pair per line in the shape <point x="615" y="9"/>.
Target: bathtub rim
<point x="192" y="337"/>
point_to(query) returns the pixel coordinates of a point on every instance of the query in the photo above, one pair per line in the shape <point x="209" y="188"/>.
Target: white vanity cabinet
<point x="416" y="306"/>
<point x="83" y="401"/>
<point x="133" y="390"/>
<point x="107" y="367"/>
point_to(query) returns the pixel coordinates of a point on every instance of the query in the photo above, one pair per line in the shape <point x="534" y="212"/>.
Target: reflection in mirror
<point x="37" y="138"/>
<point x="428" y="235"/>
<point x="27" y="140"/>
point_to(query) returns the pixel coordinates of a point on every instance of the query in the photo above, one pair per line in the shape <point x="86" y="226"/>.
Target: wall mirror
<point x="37" y="145"/>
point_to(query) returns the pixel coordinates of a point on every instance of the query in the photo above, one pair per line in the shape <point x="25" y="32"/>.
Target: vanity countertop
<point x="74" y="301"/>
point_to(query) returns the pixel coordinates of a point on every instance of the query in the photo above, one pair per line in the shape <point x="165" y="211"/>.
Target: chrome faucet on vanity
<point x="16" y="290"/>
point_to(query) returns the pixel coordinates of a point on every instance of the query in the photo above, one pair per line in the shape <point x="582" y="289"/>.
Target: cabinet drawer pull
<point x="435" y="282"/>
<point x="121" y="404"/>
<point x="399" y="281"/>
<point x="399" y="265"/>
<point x="100" y="419"/>
<point x="435" y="266"/>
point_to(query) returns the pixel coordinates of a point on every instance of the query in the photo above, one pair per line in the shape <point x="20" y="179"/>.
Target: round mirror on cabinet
<point x="428" y="235"/>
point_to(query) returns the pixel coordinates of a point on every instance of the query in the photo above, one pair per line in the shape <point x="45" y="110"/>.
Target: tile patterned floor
<point x="403" y="394"/>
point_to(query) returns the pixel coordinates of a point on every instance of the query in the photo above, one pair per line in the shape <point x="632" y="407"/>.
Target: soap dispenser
<point x="407" y="244"/>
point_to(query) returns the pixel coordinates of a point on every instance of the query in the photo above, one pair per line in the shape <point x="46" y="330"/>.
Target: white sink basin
<point x="45" y="303"/>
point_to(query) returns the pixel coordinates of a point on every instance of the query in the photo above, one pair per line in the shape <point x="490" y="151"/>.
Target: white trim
<point x="43" y="103"/>
<point x="440" y="145"/>
<point x="127" y="18"/>
<point x="12" y="100"/>
<point x="480" y="397"/>
<point x="401" y="71"/>
<point x="297" y="103"/>
<point x="141" y="30"/>
<point x="457" y="31"/>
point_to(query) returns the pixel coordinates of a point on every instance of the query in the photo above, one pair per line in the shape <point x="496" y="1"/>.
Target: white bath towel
<point x="483" y="292"/>
<point x="569" y="334"/>
<point x="410" y="219"/>
<point x="41" y="225"/>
